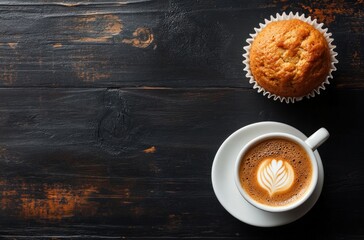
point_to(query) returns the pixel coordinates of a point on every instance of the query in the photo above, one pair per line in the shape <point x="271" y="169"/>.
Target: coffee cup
<point x="277" y="172"/>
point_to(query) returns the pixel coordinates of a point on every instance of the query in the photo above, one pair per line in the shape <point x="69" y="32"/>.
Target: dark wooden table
<point x="111" y="113"/>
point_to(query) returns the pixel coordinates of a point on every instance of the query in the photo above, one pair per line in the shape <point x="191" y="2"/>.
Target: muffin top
<point x="290" y="58"/>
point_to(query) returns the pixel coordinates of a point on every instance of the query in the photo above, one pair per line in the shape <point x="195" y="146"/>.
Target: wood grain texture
<point x="133" y="43"/>
<point x="111" y="113"/>
<point x="78" y="162"/>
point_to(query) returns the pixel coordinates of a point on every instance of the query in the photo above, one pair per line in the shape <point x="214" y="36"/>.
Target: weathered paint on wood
<point x="111" y="113"/>
<point x="154" y="43"/>
<point x="137" y="162"/>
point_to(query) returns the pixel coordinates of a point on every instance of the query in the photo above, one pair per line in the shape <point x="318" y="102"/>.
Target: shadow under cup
<point x="276" y="172"/>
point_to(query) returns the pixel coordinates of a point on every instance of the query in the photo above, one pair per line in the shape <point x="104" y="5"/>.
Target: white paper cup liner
<point x="284" y="16"/>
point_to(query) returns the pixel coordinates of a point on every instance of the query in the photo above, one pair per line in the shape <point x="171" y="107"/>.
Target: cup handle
<point x="317" y="138"/>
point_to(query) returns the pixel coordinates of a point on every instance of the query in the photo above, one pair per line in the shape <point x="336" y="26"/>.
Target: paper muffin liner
<point x="284" y="16"/>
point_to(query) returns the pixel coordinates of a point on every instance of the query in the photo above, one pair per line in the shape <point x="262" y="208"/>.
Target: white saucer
<point x="222" y="176"/>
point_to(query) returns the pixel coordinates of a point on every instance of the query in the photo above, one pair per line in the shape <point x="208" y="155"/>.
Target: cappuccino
<point x="275" y="172"/>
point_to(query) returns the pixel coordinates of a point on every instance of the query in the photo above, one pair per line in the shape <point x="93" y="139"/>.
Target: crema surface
<point x="275" y="172"/>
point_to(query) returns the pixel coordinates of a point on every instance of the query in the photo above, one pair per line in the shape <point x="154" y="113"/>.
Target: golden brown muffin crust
<point x="290" y="58"/>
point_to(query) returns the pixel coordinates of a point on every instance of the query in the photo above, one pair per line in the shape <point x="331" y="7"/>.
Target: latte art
<point x="275" y="172"/>
<point x="275" y="175"/>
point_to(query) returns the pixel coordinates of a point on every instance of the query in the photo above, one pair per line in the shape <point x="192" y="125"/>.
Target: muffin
<point x="290" y="58"/>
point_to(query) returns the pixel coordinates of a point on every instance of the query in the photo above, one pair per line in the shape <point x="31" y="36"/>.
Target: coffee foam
<point x="281" y="189"/>
<point x="275" y="175"/>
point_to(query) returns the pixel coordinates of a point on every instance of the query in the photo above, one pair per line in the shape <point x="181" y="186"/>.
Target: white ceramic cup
<point x="309" y="145"/>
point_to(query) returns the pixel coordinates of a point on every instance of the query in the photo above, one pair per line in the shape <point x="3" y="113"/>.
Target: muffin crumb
<point x="290" y="58"/>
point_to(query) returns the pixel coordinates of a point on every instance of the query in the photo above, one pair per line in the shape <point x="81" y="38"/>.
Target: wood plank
<point x="136" y="163"/>
<point x="154" y="43"/>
